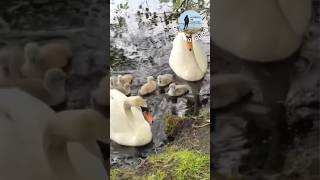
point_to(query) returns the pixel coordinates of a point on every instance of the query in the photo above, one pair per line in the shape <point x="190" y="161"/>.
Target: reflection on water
<point x="141" y="38"/>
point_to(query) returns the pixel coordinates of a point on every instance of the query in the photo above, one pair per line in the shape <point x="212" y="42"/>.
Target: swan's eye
<point x="189" y="39"/>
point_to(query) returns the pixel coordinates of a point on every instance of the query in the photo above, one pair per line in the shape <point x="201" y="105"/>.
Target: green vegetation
<point x="173" y="163"/>
<point x="123" y="6"/>
<point x="176" y="4"/>
<point x="177" y="161"/>
<point x="119" y="60"/>
<point x="172" y="122"/>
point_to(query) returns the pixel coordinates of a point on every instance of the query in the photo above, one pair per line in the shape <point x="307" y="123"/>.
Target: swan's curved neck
<point x="194" y="57"/>
<point x="127" y="107"/>
<point x="56" y="138"/>
<point x="58" y="157"/>
<point x="56" y="93"/>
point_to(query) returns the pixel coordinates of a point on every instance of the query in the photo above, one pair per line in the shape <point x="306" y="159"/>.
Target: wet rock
<point x="4" y="26"/>
<point x="228" y="141"/>
<point x="40" y="1"/>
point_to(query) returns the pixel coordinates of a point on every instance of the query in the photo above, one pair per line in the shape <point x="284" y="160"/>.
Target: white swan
<point x="190" y="65"/>
<point x="127" y="123"/>
<point x="34" y="142"/>
<point x="11" y="60"/>
<point x="264" y="31"/>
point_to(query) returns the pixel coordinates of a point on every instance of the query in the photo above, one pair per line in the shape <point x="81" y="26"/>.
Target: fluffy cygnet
<point x="40" y="59"/>
<point x="125" y="89"/>
<point x="115" y="83"/>
<point x="51" y="90"/>
<point x="230" y="88"/>
<point x="164" y="80"/>
<point x="178" y="90"/>
<point x="126" y="78"/>
<point x="11" y="60"/>
<point x="148" y="87"/>
<point x="101" y="93"/>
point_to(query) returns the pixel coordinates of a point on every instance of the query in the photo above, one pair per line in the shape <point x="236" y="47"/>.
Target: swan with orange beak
<point x="189" y="62"/>
<point x="130" y="120"/>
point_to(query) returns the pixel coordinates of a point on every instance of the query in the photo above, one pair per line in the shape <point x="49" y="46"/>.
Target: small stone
<point x="40" y="1"/>
<point x="4" y="26"/>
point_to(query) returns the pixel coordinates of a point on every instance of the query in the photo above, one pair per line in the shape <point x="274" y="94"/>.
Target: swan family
<point x="38" y="142"/>
<point x="130" y="119"/>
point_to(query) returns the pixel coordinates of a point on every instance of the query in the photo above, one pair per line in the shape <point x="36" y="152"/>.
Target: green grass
<point x="173" y="163"/>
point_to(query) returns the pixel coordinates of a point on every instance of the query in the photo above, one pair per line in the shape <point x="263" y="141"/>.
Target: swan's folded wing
<point x="23" y="120"/>
<point x="298" y="13"/>
<point x="200" y="56"/>
<point x="86" y="164"/>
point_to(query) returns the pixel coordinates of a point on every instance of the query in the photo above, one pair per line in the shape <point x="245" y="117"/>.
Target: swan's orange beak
<point x="189" y="45"/>
<point x="148" y="117"/>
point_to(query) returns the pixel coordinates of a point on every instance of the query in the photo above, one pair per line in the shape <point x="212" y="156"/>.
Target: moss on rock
<point x="172" y="124"/>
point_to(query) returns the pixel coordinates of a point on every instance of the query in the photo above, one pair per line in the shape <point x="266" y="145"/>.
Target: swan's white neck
<point x="127" y="106"/>
<point x="56" y="139"/>
<point x="128" y="111"/>
<point x="58" y="157"/>
<point x="56" y="94"/>
<point x="194" y="57"/>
